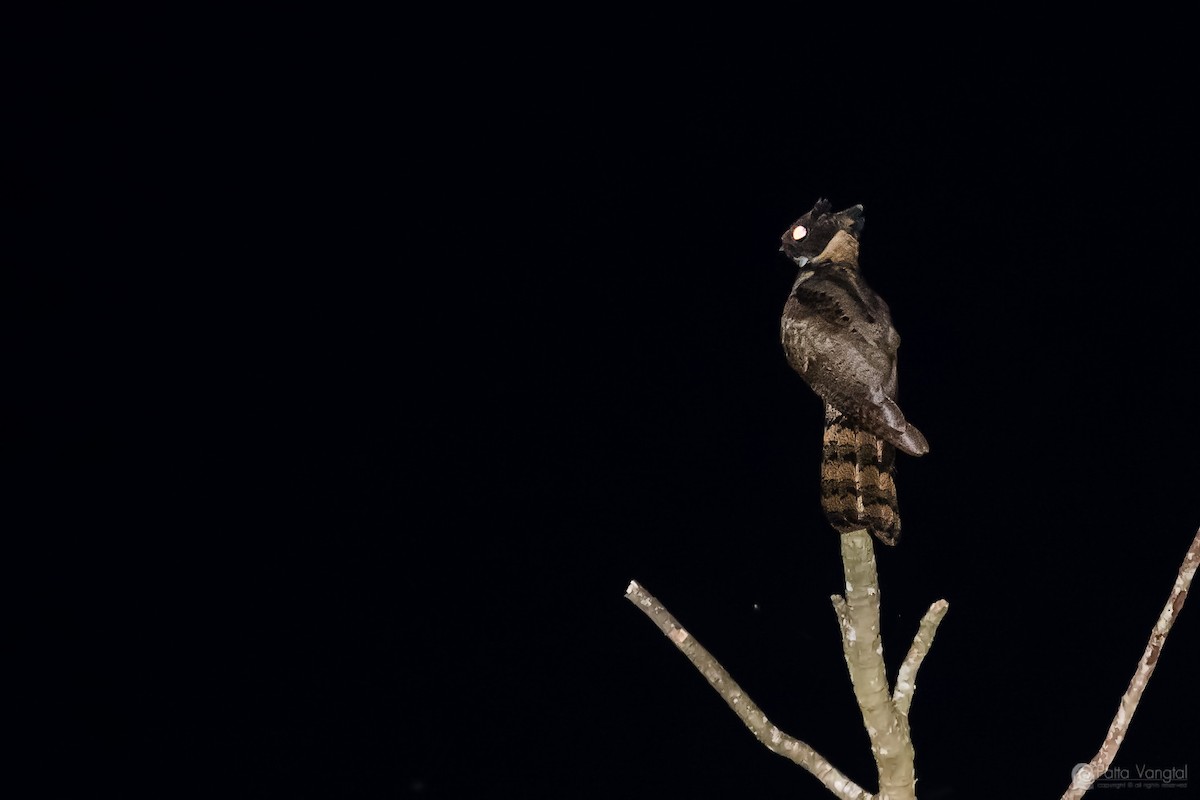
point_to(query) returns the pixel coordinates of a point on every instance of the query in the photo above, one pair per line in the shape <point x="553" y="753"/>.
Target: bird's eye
<point x="799" y="233"/>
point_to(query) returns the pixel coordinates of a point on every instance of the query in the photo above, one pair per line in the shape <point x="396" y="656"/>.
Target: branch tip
<point x="735" y="697"/>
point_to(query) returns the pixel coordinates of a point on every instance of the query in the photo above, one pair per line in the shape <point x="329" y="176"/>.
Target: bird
<point x="837" y="333"/>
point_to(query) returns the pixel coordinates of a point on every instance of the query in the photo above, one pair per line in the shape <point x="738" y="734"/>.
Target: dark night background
<point x="363" y="376"/>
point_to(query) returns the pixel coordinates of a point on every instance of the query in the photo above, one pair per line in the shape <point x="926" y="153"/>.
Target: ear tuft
<point x="854" y="214"/>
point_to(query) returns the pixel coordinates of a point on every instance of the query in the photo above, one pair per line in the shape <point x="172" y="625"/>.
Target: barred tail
<point x="858" y="489"/>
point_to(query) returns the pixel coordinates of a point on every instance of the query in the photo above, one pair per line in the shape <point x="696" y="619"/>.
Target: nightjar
<point x="837" y="333"/>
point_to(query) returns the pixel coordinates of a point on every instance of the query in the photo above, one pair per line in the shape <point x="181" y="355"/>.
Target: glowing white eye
<point x="799" y="233"/>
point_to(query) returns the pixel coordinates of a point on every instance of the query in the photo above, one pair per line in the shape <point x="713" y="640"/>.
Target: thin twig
<point x="1086" y="774"/>
<point x="774" y="739"/>
<point x="906" y="679"/>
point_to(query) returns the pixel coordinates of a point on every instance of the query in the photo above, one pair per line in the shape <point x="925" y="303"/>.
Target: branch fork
<point x="885" y="713"/>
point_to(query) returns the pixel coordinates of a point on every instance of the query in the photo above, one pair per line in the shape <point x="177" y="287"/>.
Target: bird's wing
<point x="845" y="347"/>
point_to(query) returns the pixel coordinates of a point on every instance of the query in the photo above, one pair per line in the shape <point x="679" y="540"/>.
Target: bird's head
<point x="808" y="236"/>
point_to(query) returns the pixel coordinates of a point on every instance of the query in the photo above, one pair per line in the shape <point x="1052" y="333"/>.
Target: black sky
<point x="368" y="379"/>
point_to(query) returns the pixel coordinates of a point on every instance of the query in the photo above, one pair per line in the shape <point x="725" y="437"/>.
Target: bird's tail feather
<point x="858" y="487"/>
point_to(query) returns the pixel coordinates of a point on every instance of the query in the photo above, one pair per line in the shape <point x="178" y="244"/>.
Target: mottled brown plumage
<point x="837" y="333"/>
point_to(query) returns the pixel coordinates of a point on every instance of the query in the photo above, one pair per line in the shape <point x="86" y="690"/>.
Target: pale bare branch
<point x="774" y="739"/>
<point x="1086" y="774"/>
<point x="863" y="648"/>
<point x="906" y="679"/>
